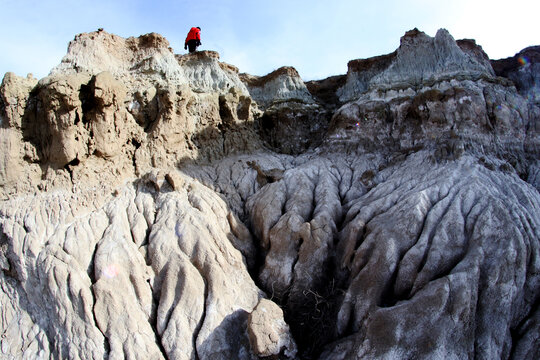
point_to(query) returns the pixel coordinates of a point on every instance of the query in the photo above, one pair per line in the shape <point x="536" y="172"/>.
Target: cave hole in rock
<point x="224" y="110"/>
<point x="135" y="143"/>
<point x="74" y="162"/>
<point x="267" y="123"/>
<point x="88" y="103"/>
<point x="69" y="167"/>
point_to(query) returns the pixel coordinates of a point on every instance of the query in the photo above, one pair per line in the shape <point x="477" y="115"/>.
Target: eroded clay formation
<point x="162" y="206"/>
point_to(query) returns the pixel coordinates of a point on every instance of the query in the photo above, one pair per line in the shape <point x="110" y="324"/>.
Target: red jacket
<point x="193" y="34"/>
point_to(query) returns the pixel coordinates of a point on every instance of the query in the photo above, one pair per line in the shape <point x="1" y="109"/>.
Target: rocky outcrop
<point x="419" y="60"/>
<point x="14" y="100"/>
<point x="281" y="85"/>
<point x="212" y="75"/>
<point x="523" y="70"/>
<point x="268" y="333"/>
<point x="407" y="100"/>
<point x="292" y="120"/>
<point x="325" y="91"/>
<point x="120" y="107"/>
<point x="165" y="206"/>
<point x="146" y="56"/>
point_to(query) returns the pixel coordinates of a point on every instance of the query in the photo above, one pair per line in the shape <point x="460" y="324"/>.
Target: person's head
<point x="198" y="28"/>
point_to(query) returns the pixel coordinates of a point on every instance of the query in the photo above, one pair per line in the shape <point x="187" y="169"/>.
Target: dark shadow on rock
<point x="311" y="312"/>
<point x="232" y="331"/>
<point x="214" y="143"/>
<point x="293" y="127"/>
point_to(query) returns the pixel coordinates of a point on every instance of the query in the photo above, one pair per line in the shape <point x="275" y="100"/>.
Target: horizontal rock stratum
<point x="162" y="206"/>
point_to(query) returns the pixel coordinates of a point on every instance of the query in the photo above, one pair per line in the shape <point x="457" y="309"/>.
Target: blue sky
<point x="318" y="38"/>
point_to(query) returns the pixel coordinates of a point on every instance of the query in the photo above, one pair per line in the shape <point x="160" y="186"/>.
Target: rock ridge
<point x="419" y="59"/>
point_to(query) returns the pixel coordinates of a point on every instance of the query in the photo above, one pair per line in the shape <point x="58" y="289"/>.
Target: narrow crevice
<point x="53" y="350"/>
<point x="106" y="343"/>
<point x="146" y="242"/>
<point x="153" y="324"/>
<point x="340" y="225"/>
<point x="88" y="102"/>
<point x="91" y="270"/>
<point x="313" y="203"/>
<point x="521" y="329"/>
<point x="287" y="198"/>
<point x="136" y="145"/>
<point x="388" y="296"/>
<point x="362" y="235"/>
<point x="429" y="240"/>
<point x="293" y="267"/>
<point x="201" y="321"/>
<point x="107" y="346"/>
<point x="431" y="235"/>
<point x="311" y="313"/>
<point x="92" y="275"/>
<point x="475" y="328"/>
<point x="260" y="256"/>
<point x="341" y="222"/>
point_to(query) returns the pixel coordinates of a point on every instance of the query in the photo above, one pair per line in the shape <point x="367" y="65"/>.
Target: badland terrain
<point x="162" y="206"/>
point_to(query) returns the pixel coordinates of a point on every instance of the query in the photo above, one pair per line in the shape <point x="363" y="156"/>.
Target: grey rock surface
<point x="420" y="59"/>
<point x="281" y="85"/>
<point x="456" y="269"/>
<point x="162" y="206"/>
<point x="523" y="70"/>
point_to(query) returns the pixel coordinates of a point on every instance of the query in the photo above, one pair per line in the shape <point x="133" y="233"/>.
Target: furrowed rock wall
<point x="165" y="206"/>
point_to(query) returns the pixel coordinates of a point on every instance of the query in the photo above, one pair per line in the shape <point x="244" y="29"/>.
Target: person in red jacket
<point x="193" y="39"/>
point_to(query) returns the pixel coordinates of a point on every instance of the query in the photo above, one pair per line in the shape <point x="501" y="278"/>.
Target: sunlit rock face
<point x="165" y="206"/>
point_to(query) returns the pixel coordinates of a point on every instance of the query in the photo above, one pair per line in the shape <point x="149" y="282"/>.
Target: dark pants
<point x="192" y="45"/>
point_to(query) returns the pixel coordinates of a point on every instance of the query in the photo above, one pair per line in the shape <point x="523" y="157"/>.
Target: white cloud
<point x="501" y="28"/>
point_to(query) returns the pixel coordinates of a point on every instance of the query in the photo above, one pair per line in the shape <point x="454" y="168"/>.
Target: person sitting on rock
<point x="193" y="39"/>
